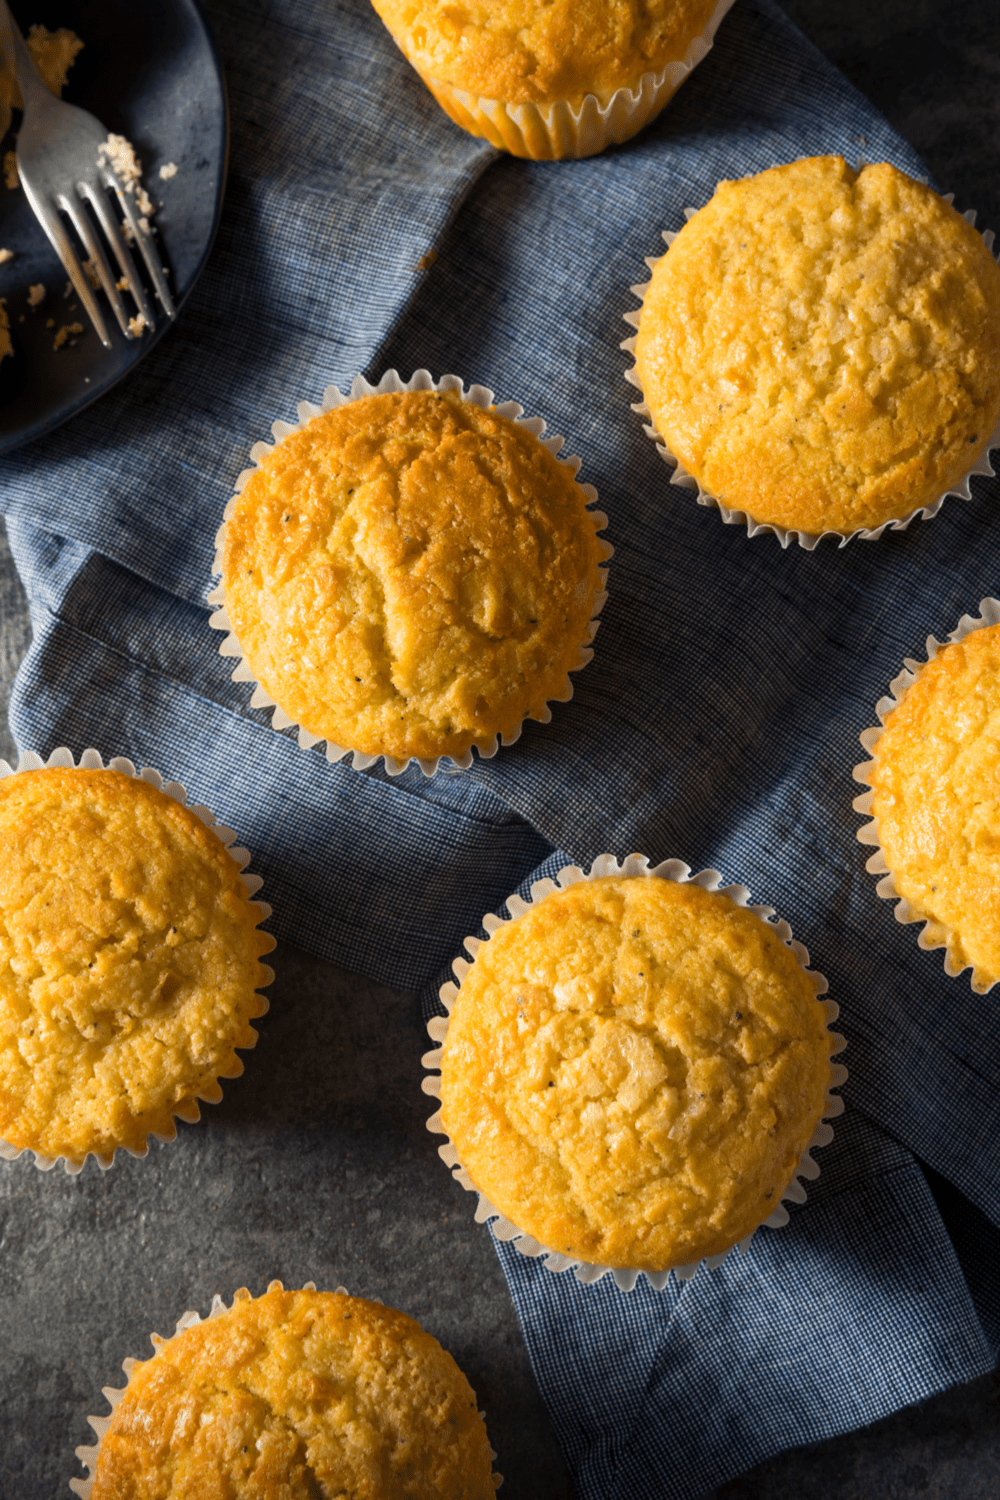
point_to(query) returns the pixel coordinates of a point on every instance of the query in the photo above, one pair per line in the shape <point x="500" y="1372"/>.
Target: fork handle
<point x="25" y="72"/>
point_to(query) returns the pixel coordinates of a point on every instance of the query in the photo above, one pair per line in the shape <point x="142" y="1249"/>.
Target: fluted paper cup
<point x="476" y="395"/>
<point x="580" y="127"/>
<point x="634" y="867"/>
<point x="187" y="1110"/>
<point x="807" y="540"/>
<point x="868" y="834"/>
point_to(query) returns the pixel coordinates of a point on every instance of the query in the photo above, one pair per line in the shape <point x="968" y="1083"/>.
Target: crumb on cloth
<point x="36" y="294"/>
<point x="168" y="171"/>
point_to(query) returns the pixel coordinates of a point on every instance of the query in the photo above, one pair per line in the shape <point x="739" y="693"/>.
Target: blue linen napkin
<point x="717" y="723"/>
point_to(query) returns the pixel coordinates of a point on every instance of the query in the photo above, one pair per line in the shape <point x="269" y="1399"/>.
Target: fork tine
<point x="81" y="223"/>
<point x="112" y="229"/>
<point x="50" y="221"/>
<point x="144" y="240"/>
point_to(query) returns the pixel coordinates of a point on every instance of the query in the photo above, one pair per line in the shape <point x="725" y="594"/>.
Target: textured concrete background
<point x="317" y="1164"/>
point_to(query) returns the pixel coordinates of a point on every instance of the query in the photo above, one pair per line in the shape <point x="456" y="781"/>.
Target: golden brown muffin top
<point x="632" y="1071"/>
<point x="128" y="962"/>
<point x="297" y="1396"/>
<point x="520" y="52"/>
<point x="821" y="348"/>
<point x="409" y="574"/>
<point x="937" y="800"/>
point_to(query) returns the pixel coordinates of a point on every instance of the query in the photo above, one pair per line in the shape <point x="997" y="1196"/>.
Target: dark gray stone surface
<point x="317" y="1163"/>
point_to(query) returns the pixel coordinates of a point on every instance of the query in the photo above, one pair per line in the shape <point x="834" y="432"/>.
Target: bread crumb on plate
<point x="69" y="332"/>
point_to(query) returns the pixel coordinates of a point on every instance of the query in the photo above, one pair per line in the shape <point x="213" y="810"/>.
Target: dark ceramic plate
<point x="148" y="70"/>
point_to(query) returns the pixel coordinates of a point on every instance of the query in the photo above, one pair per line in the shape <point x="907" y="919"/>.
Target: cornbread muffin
<point x="632" y="1070"/>
<point x="410" y="575"/>
<point x="821" y="348"/>
<point x="300" y="1395"/>
<point x="936" y="800"/>
<point x="514" y="53"/>
<point x="128" y="962"/>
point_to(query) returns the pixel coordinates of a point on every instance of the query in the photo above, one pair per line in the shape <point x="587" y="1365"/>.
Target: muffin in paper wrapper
<point x="187" y="1110"/>
<point x="574" y="129"/>
<point x="88" y="1455"/>
<point x="476" y="395"/>
<point x="635" y="866"/>
<point x="989" y="614"/>
<point x="807" y="540"/>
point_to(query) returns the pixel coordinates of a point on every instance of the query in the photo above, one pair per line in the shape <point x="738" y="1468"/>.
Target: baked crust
<point x="128" y="962"/>
<point x="821" y="348"/>
<point x="632" y="1071"/>
<point x="303" y="1395"/>
<point x="936" y="800"/>
<point x="409" y="575"/>
<point x="521" y="52"/>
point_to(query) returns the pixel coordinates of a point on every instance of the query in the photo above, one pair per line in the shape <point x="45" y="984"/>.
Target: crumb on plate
<point x="119" y="154"/>
<point x="68" y="333"/>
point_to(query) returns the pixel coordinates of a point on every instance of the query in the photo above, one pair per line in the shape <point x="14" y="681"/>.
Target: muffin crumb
<point x="68" y="333"/>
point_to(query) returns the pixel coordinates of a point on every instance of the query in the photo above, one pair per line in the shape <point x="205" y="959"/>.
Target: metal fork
<point x="60" y="163"/>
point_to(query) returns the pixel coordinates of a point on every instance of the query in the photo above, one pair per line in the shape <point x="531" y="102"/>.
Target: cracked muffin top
<point x="303" y="1395"/>
<point x="128" y="962"/>
<point x="409" y="575"/>
<point x="632" y="1071"/>
<point x="821" y="347"/>
<point x="523" y="52"/>
<point x="936" y="800"/>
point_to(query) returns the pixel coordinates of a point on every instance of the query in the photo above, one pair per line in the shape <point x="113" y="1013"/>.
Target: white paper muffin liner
<point x="989" y="614"/>
<point x="553" y="132"/>
<point x="188" y="1110"/>
<point x="476" y="395"/>
<point x="112" y="1394"/>
<point x="807" y="540"/>
<point x="635" y="866"/>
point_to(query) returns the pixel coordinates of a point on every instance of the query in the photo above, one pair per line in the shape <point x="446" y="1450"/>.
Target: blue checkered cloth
<point x="717" y="723"/>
